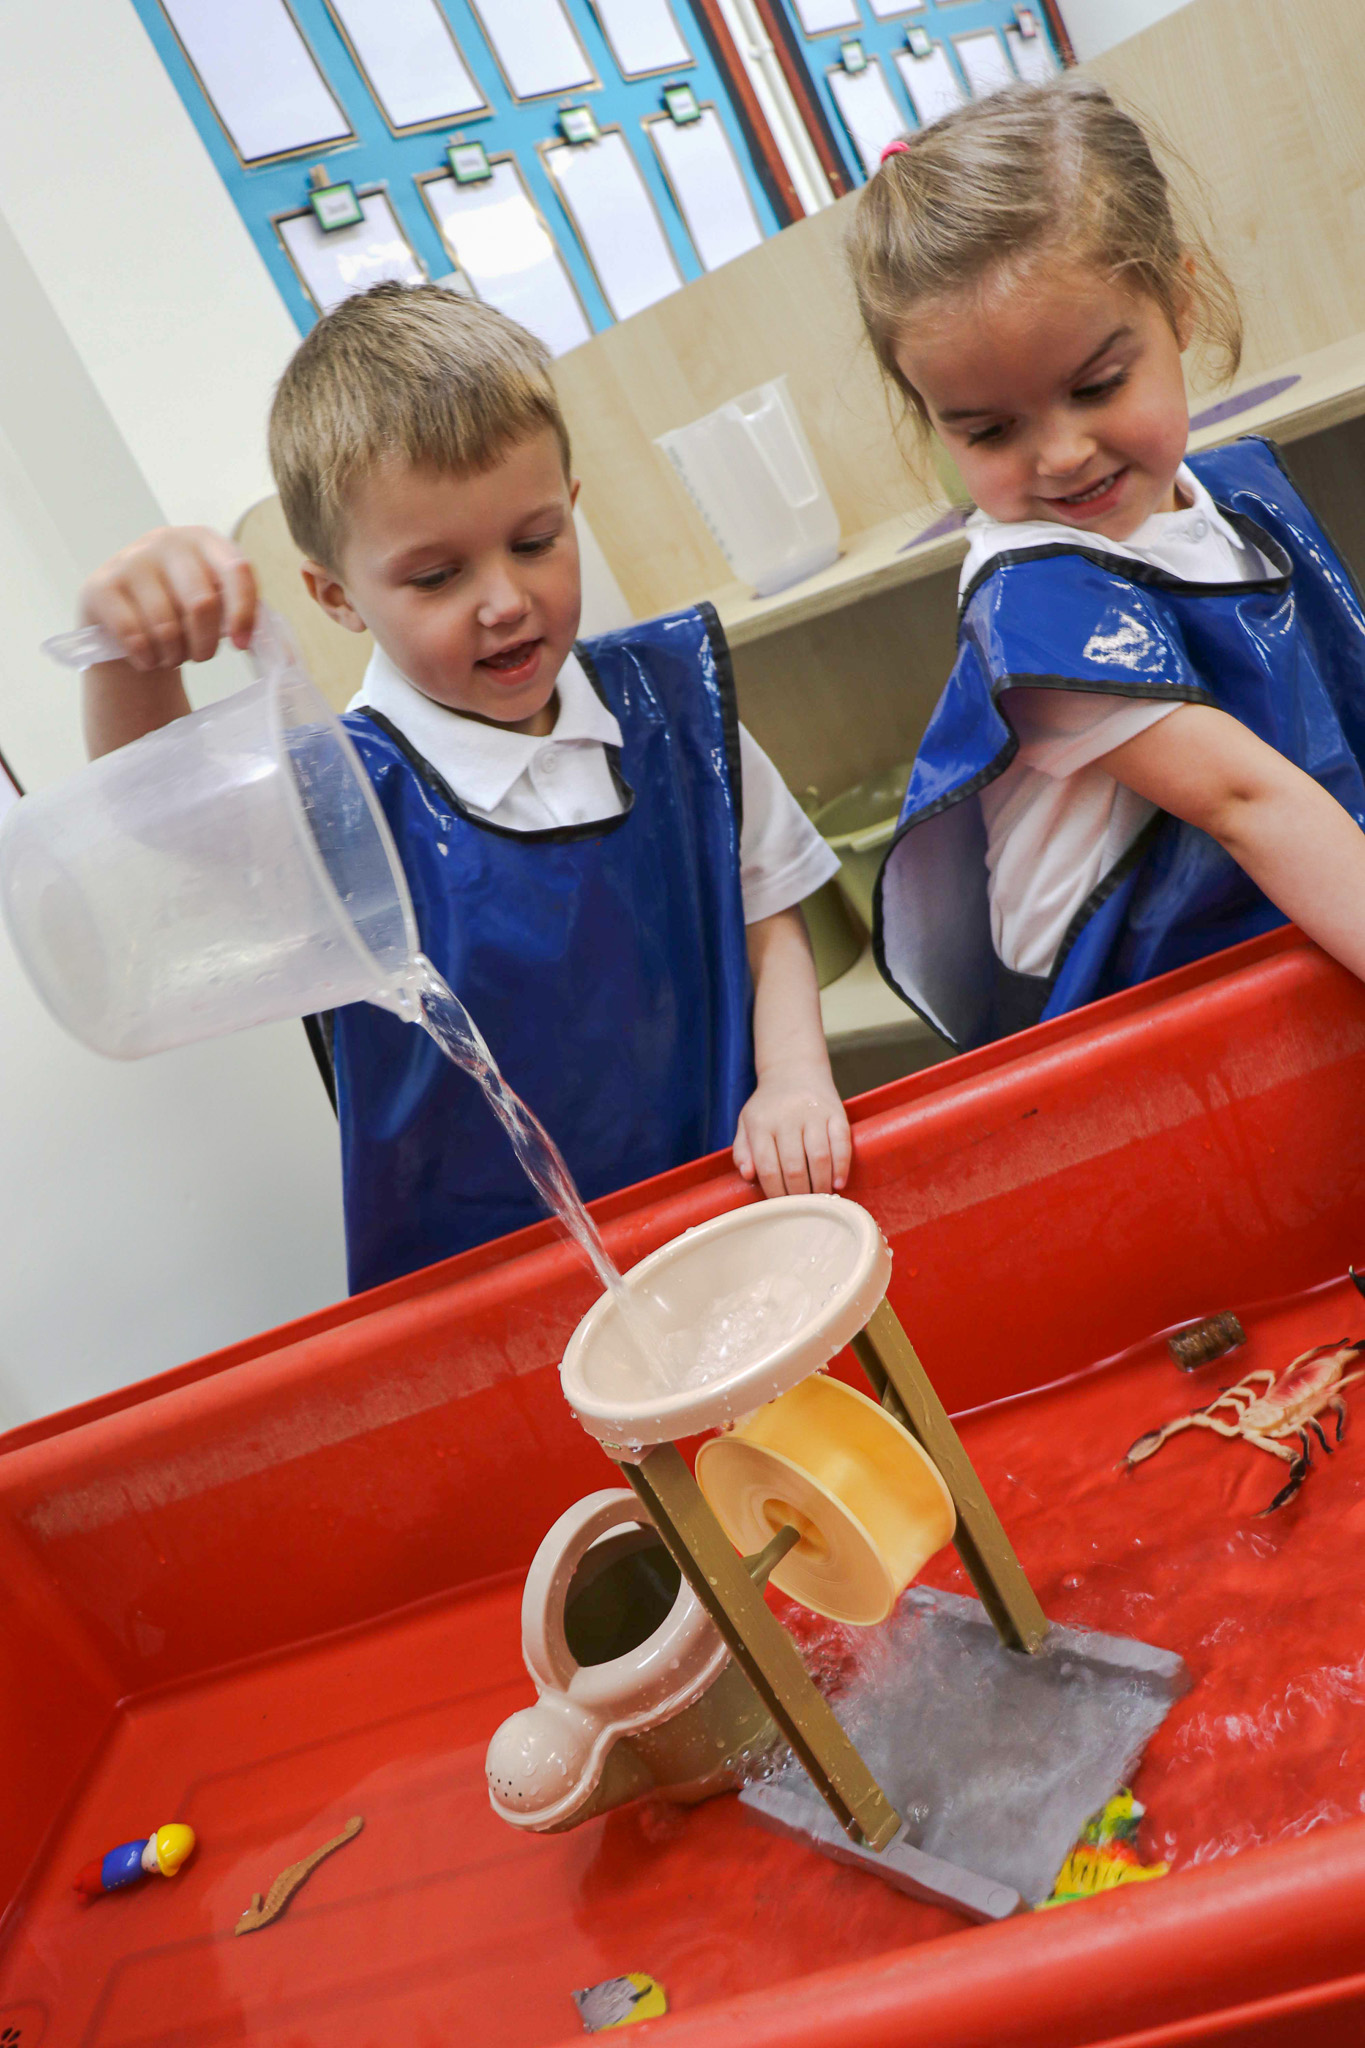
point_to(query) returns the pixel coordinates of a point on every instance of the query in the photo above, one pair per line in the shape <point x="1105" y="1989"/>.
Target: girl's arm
<point x="1292" y="838"/>
<point x="793" y="1135"/>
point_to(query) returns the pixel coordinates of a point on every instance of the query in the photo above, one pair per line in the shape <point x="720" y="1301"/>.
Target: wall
<point x="1096" y="25"/>
<point x="1262" y="99"/>
<point x="153" y="1211"/>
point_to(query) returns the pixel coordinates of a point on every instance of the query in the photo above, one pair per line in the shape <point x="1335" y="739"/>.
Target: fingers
<point x="840" y="1148"/>
<point x="794" y="1147"/>
<point x="170" y="597"/>
<point x="767" y="1165"/>
<point x="237" y="580"/>
<point x="791" y="1151"/>
<point x="819" y="1164"/>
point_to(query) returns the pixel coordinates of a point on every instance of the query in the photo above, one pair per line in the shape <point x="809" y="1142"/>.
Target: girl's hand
<point x="793" y="1135"/>
<point x="172" y="596"/>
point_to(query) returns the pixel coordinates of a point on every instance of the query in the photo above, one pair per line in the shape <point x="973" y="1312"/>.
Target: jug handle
<point x="544" y="1646"/>
<point x="781" y="454"/>
<point x="271" y="647"/>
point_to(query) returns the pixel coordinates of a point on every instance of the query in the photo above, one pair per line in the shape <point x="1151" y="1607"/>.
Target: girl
<point x="1148" y="748"/>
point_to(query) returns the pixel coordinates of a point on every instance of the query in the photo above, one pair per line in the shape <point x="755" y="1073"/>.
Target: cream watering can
<point x="637" y="1692"/>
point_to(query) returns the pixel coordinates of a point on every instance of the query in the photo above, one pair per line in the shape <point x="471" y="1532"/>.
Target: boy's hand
<point x="793" y="1135"/>
<point x="172" y="596"/>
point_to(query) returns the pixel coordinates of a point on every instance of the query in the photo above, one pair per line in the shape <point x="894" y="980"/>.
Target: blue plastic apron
<point x="605" y="965"/>
<point x="1286" y="656"/>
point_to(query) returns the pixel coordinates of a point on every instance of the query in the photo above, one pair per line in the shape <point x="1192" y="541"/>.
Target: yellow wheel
<point x="870" y="1505"/>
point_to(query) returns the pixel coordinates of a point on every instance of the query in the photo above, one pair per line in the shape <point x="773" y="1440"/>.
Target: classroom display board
<point x="870" y="112"/>
<point x="932" y="84"/>
<point x="605" y="195"/>
<point x="332" y="266"/>
<point x="707" y="182"/>
<point x="259" y="77"/>
<point x="884" y="67"/>
<point x="410" y="60"/>
<point x="497" y="240"/>
<point x="437" y="136"/>
<point x="644" y="36"/>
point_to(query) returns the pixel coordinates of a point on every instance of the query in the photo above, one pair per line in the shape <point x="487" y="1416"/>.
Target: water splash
<point x="744" y="1324"/>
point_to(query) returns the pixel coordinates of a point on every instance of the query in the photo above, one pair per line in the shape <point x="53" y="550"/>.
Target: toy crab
<point x="1288" y="1406"/>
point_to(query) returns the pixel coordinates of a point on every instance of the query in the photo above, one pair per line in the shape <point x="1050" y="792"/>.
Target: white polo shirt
<point x="1056" y="822"/>
<point x="529" y="784"/>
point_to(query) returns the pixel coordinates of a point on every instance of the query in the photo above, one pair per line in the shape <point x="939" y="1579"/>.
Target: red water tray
<point x="280" y="1586"/>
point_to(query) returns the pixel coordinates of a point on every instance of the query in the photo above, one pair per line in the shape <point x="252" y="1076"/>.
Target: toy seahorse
<point x="261" y="1911"/>
<point x="159" y="1855"/>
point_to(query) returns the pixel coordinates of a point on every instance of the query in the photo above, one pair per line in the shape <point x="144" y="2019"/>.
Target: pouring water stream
<point x="671" y="1353"/>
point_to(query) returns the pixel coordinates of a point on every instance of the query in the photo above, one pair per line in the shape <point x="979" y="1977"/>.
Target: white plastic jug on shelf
<point x="232" y="868"/>
<point x="751" y="474"/>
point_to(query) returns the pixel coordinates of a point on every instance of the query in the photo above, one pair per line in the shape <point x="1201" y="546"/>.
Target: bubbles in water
<point x="739" y="1328"/>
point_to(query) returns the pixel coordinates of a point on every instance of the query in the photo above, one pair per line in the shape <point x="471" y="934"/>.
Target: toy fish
<point x="159" y="1855"/>
<point x="1106" y="1854"/>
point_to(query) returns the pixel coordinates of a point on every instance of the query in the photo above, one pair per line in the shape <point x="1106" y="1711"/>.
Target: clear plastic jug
<point x="751" y="474"/>
<point x="232" y="868"/>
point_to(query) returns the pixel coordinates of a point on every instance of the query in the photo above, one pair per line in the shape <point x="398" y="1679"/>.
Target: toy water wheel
<point x="870" y="1492"/>
<point x="868" y="1504"/>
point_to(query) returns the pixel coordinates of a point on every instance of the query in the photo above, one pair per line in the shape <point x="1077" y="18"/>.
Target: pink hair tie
<point x="894" y="149"/>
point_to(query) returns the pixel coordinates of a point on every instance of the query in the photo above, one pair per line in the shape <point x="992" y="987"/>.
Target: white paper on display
<point x="868" y="111"/>
<point x="884" y="8"/>
<point x="351" y="259"/>
<point x="643" y="34"/>
<point x="410" y="58"/>
<point x="985" y="62"/>
<point x="259" y="74"/>
<point x="933" y="85"/>
<point x="1032" y="57"/>
<point x="818" y="17"/>
<point x="506" y="252"/>
<point x="535" y="43"/>
<point x="609" y="204"/>
<point x="709" y="187"/>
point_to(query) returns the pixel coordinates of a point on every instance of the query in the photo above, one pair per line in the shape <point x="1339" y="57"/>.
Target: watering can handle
<point x="272" y="645"/>
<point x="771" y="434"/>
<point x="548" y="1657"/>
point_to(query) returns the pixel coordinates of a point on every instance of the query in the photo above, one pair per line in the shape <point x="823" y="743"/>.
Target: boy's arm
<point x="1292" y="838"/>
<point x="793" y="1135"/>
<point x="168" y="598"/>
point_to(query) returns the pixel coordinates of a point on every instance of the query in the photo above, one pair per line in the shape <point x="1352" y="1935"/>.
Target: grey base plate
<point x="784" y="1807"/>
<point x="994" y="1760"/>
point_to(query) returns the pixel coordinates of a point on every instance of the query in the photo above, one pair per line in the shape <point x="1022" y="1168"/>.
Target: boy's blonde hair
<point x="414" y="372"/>
<point x="1055" y="168"/>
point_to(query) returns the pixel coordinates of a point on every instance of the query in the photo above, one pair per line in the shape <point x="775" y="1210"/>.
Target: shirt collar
<point x="988" y="538"/>
<point x="481" y="762"/>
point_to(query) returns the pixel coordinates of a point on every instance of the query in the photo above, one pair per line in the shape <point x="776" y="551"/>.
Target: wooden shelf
<point x="1329" y="389"/>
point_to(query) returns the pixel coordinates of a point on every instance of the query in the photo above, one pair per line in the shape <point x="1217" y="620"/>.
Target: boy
<point x="600" y="857"/>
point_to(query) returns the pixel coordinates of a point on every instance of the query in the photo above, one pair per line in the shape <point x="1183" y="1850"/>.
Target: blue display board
<point x="372" y="156"/>
<point x="884" y="39"/>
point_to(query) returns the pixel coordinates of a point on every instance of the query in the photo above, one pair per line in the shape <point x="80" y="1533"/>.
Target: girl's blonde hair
<point x="1055" y="168"/>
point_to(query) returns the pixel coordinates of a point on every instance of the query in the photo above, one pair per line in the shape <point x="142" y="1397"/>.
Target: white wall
<point x="114" y="200"/>
<point x="153" y="1211"/>
<point x="1096" y="25"/>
